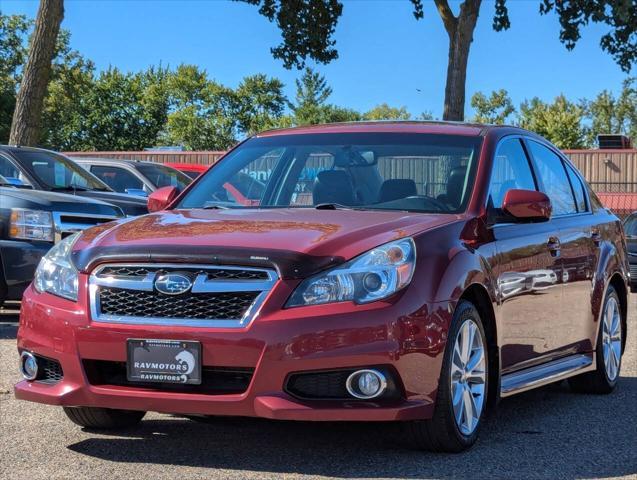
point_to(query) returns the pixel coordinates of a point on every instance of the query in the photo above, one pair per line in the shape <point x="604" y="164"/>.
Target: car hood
<point x="297" y="242"/>
<point x="56" y="202"/>
<point x="130" y="204"/>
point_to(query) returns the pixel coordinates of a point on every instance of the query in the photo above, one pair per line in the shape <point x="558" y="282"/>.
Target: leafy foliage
<point x="306" y="26"/>
<point x="496" y="108"/>
<point x="385" y="112"/>
<point x="613" y="115"/>
<point x="260" y="103"/>
<point x="620" y="15"/>
<point x="560" y="122"/>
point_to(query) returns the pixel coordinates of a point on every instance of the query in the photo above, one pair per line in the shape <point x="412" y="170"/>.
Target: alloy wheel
<point x="612" y="338"/>
<point x="468" y="377"/>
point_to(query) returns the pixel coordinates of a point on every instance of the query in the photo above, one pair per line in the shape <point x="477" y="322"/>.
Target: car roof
<point x="17" y="148"/>
<point x="127" y="161"/>
<point x="409" y="126"/>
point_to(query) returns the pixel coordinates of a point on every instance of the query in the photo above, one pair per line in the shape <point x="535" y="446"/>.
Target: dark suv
<point x="53" y="172"/>
<point x="31" y="222"/>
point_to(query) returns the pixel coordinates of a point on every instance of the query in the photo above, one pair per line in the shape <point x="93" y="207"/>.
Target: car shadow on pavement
<point x="547" y="433"/>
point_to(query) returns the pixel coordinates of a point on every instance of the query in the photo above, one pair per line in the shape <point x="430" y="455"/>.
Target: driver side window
<point x="511" y="169"/>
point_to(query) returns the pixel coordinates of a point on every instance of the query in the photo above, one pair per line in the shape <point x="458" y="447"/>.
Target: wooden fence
<point x="613" y="171"/>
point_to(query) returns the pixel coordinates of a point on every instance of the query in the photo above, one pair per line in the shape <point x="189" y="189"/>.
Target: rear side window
<point x="117" y="178"/>
<point x="578" y="189"/>
<point x="553" y="179"/>
<point x="511" y="169"/>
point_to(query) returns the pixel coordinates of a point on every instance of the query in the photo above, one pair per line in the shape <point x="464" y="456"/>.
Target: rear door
<point x="527" y="268"/>
<point x="579" y="238"/>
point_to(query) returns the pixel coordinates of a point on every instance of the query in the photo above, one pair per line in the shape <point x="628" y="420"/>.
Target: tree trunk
<point x="460" y="31"/>
<point x="26" y="125"/>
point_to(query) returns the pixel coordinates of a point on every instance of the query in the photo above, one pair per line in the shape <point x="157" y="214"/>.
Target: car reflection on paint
<point x="542" y="279"/>
<point x="517" y="283"/>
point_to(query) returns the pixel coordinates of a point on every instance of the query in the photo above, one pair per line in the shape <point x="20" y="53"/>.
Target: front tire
<point x="462" y="390"/>
<point x="103" y="418"/>
<point x="608" y="351"/>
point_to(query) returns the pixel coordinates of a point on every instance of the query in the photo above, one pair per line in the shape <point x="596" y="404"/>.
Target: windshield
<point x="56" y="172"/>
<point x="162" y="176"/>
<point x="630" y="226"/>
<point x="389" y="171"/>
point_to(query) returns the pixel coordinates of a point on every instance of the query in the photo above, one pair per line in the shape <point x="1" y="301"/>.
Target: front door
<point x="527" y="267"/>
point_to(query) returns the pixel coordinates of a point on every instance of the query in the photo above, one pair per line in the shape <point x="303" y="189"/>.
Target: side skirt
<point x="546" y="373"/>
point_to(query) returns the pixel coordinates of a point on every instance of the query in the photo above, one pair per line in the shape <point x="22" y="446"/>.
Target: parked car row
<point x="45" y="196"/>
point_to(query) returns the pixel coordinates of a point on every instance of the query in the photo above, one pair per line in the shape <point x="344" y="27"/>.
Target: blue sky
<point x="385" y="55"/>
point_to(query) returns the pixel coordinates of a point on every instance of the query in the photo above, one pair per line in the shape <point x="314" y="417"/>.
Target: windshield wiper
<point x="69" y="188"/>
<point x="332" y="206"/>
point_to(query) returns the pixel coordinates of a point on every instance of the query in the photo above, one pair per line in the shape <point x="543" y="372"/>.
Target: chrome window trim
<point x="200" y="285"/>
<point x="60" y="227"/>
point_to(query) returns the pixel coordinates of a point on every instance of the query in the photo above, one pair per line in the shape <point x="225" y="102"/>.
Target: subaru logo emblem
<point x="173" y="283"/>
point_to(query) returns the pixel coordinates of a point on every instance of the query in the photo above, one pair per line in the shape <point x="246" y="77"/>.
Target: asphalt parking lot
<point x="549" y="433"/>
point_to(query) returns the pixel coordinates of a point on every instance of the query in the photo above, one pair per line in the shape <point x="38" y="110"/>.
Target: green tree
<point x="313" y="39"/>
<point x="311" y="106"/>
<point x="496" y="108"/>
<point x="561" y="122"/>
<point x="113" y="111"/>
<point x="259" y="103"/>
<point x="312" y="92"/>
<point x="201" y="111"/>
<point x="385" y="112"/>
<point x="614" y="115"/>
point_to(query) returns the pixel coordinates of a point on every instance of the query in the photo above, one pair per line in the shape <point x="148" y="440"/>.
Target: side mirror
<point x="161" y="198"/>
<point x="527" y="205"/>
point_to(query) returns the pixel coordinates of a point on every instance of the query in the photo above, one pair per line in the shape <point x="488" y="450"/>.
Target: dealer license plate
<point x="164" y="361"/>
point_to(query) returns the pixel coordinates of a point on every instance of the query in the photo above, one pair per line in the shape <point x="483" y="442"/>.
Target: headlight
<point x="55" y="273"/>
<point x="31" y="224"/>
<point x="371" y="276"/>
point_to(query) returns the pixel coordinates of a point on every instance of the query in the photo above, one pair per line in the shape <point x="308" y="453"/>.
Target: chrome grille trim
<point x="201" y="284"/>
<point x="65" y="227"/>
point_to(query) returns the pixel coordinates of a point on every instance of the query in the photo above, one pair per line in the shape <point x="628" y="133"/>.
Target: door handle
<point x="554" y="246"/>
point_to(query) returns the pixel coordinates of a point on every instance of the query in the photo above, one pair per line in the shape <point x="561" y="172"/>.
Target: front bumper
<point x="406" y="337"/>
<point x="19" y="260"/>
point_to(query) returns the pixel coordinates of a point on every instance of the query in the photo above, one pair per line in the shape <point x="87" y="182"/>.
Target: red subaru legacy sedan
<point x="405" y="272"/>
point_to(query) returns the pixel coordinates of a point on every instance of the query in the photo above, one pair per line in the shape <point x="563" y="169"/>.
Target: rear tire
<point x="103" y="418"/>
<point x="608" y="351"/>
<point x="444" y="432"/>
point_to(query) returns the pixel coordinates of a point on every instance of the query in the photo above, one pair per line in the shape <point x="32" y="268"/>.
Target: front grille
<point x="217" y="274"/>
<point x="633" y="272"/>
<point x="135" y="303"/>
<point x="324" y="385"/>
<point x="67" y="223"/>
<point x="214" y="380"/>
<point x="214" y="296"/>
<point x="49" y="370"/>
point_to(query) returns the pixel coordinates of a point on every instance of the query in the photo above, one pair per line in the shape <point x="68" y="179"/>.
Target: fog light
<point x="28" y="366"/>
<point x="366" y="384"/>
